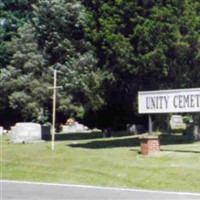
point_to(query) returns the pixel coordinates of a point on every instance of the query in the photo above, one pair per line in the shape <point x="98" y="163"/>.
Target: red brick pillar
<point x="150" y="145"/>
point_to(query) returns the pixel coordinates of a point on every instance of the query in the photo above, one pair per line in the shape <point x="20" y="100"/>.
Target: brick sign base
<point x="149" y="145"/>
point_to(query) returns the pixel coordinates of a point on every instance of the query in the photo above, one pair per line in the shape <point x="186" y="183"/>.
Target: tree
<point x="53" y="39"/>
<point x="184" y="55"/>
<point x="13" y="15"/>
<point x="105" y="52"/>
<point x="142" y="46"/>
<point x="60" y="34"/>
<point x="24" y="80"/>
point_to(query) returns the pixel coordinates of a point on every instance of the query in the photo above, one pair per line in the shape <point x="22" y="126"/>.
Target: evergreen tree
<point x="13" y="14"/>
<point x="144" y="45"/>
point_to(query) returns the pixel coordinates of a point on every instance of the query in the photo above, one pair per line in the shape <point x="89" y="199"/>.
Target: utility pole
<point x="54" y="109"/>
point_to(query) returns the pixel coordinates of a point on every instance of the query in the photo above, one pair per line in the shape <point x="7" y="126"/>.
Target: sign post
<point x="150" y="125"/>
<point x="54" y="108"/>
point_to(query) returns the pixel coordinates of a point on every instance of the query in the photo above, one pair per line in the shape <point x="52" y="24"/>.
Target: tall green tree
<point x="184" y="55"/>
<point x="13" y="14"/>
<point x="53" y="39"/>
<point x="144" y="45"/>
<point x="60" y="34"/>
<point x="24" y="79"/>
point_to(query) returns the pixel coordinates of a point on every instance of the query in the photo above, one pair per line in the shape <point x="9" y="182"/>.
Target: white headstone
<point x="26" y="132"/>
<point x="176" y="122"/>
<point x="75" y="127"/>
<point x="1" y="130"/>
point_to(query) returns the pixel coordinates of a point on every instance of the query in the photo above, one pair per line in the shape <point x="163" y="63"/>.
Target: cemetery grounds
<point x="88" y="158"/>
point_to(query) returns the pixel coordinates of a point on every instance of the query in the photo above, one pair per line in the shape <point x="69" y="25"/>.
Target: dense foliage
<point x="105" y="52"/>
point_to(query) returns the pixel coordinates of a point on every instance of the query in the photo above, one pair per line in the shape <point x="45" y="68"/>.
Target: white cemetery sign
<point x="169" y="101"/>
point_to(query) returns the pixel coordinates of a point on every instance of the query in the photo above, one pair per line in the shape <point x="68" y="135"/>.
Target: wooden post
<point x="54" y="109"/>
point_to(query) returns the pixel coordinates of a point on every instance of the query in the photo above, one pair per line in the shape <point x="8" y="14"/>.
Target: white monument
<point x="176" y="122"/>
<point x="74" y="128"/>
<point x="26" y="132"/>
<point x="1" y="130"/>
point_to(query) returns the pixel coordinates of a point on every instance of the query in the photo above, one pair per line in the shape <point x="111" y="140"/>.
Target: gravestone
<point x="26" y="132"/>
<point x="74" y="128"/>
<point x="196" y="133"/>
<point x="176" y="122"/>
<point x="1" y="130"/>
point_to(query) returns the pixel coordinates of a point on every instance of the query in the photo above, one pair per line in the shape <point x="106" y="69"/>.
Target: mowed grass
<point x="90" y="159"/>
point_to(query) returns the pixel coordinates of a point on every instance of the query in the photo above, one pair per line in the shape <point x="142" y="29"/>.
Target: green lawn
<point x="90" y="159"/>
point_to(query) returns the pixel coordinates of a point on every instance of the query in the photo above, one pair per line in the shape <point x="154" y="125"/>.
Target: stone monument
<point x="74" y="127"/>
<point x="26" y="132"/>
<point x="176" y="122"/>
<point x="1" y="130"/>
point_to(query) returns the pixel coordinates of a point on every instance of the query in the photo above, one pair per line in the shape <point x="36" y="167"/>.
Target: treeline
<point x="104" y="51"/>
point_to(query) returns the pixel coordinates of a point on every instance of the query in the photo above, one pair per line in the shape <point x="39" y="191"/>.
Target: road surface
<point x="15" y="190"/>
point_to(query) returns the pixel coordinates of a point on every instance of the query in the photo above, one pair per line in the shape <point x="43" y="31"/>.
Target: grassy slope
<point x="106" y="162"/>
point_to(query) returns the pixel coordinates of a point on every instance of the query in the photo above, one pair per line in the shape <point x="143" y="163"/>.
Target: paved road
<point x="14" y="190"/>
